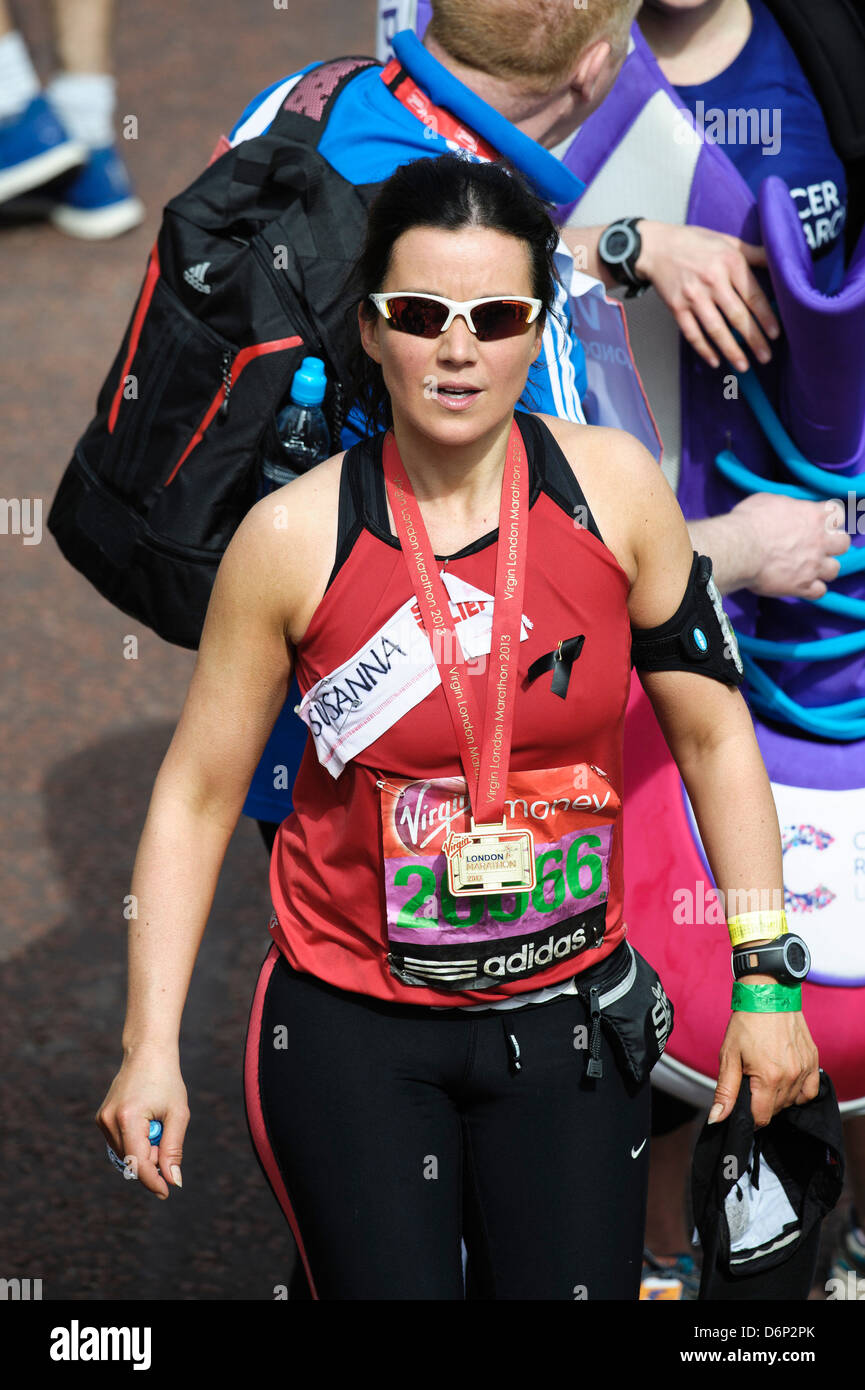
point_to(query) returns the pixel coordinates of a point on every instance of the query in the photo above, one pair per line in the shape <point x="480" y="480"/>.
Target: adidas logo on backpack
<point x="194" y="276"/>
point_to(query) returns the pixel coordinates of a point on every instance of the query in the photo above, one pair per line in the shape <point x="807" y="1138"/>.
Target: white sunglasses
<point x="428" y="315"/>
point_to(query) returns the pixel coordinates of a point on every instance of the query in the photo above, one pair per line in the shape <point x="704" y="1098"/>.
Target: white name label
<point x="354" y="705"/>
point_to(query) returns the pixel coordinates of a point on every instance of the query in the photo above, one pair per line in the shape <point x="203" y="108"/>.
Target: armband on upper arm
<point x="698" y="637"/>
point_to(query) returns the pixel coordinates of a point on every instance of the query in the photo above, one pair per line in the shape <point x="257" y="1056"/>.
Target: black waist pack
<point x="624" y="995"/>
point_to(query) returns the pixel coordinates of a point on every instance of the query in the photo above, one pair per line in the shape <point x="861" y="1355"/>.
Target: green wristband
<point x="766" y="999"/>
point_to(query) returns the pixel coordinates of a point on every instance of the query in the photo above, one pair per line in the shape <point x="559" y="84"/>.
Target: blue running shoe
<point x="35" y="148"/>
<point x="679" y="1280"/>
<point x="848" y="1260"/>
<point x="99" y="201"/>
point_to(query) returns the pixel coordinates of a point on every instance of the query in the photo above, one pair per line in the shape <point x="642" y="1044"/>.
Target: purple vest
<point x="816" y="382"/>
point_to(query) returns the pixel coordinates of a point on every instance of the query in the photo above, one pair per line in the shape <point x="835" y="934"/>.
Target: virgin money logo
<point x="426" y="810"/>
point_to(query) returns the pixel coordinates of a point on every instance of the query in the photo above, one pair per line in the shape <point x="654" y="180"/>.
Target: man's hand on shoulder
<point x="707" y="282"/>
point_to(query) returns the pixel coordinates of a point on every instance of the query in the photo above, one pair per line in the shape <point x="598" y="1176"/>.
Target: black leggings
<point x="388" y="1132"/>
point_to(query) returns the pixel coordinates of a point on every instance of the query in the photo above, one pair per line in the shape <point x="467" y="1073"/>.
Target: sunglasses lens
<point x="425" y="318"/>
<point x="502" y="318"/>
<point x="421" y="317"/>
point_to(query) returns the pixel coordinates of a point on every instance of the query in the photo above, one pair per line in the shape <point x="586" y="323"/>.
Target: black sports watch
<point x="619" y="248"/>
<point x="787" y="959"/>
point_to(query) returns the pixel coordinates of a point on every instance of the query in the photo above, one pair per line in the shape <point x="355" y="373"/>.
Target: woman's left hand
<point x="777" y="1052"/>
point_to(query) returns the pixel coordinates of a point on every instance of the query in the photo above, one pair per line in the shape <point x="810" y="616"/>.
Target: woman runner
<point x="451" y="1036"/>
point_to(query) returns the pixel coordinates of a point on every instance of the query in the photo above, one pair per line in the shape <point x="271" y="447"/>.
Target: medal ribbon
<point x="484" y="752"/>
<point x="442" y="122"/>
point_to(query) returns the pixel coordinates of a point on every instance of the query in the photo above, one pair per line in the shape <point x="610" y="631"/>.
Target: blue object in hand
<point x="154" y="1134"/>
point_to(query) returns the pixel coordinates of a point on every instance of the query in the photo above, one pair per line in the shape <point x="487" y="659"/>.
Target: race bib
<point x="445" y="942"/>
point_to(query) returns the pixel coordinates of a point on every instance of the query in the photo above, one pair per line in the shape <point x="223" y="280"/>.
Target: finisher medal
<point x="489" y="858"/>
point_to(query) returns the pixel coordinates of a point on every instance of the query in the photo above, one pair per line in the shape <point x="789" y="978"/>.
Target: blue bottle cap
<point x="155" y="1131"/>
<point x="309" y="383"/>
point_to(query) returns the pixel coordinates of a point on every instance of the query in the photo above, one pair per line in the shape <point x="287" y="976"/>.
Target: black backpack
<point x="244" y="281"/>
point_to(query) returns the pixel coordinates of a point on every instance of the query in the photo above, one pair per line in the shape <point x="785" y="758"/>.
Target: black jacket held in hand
<point x="759" y="1196"/>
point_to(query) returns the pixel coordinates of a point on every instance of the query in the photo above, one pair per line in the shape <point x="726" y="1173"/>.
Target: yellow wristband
<point x="756" y="926"/>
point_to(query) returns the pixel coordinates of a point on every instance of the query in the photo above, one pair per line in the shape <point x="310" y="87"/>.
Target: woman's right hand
<point x="147" y="1087"/>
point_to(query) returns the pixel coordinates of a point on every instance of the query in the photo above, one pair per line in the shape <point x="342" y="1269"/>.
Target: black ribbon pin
<point x="559" y="662"/>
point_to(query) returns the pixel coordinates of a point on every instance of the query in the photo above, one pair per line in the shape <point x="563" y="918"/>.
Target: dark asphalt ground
<point x="84" y="730"/>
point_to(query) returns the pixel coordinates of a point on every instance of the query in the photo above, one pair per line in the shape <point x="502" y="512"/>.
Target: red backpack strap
<point x="219" y="149"/>
<point x="397" y="80"/>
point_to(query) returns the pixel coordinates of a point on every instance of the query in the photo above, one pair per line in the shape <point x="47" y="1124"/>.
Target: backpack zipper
<point x="315" y="346"/>
<point x="226" y="385"/>
<point x="231" y="368"/>
<point x="595" y="1067"/>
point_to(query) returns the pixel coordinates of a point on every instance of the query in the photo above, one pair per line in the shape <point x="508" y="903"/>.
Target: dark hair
<point x="449" y="192"/>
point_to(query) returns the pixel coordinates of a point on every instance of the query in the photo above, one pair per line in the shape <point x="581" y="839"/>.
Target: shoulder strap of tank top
<point x="356" y="497"/>
<point x="557" y="478"/>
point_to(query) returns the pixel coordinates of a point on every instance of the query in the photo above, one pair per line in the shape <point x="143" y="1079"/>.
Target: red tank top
<point x="358" y="877"/>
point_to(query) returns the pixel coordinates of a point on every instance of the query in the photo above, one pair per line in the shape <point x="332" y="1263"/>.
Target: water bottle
<point x="301" y="427"/>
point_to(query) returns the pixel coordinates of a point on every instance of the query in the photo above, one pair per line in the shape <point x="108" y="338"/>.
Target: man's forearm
<point x="730" y="547"/>
<point x="582" y="242"/>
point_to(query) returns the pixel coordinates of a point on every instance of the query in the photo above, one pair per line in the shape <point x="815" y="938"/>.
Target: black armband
<point x="698" y="637"/>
